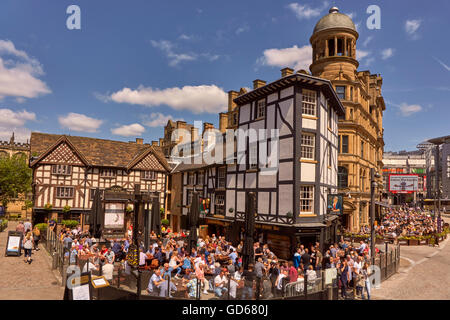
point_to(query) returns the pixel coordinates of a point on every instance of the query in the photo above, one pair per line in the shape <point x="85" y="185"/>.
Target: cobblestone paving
<point x="424" y="274"/>
<point x="21" y="281"/>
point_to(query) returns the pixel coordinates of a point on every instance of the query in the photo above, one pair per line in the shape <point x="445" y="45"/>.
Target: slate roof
<point x="96" y="152"/>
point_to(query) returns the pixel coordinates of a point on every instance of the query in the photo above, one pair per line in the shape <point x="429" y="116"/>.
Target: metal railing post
<point x="305" y="286"/>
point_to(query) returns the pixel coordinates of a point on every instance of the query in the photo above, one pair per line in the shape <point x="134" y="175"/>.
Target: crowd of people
<point x="407" y="222"/>
<point x="214" y="267"/>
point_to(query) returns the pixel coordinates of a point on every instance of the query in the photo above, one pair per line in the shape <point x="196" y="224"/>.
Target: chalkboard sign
<point x="14" y="243"/>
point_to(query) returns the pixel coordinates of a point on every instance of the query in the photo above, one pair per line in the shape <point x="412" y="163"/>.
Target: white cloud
<point x="305" y="11"/>
<point x="351" y="15"/>
<point x="18" y="74"/>
<point x="242" y="29"/>
<point x="387" y="53"/>
<point x="79" y="122"/>
<point x="14" y="121"/>
<point x="134" y="129"/>
<point x="411" y="27"/>
<point x="295" y="57"/>
<point x="368" y="39"/>
<point x="158" y="119"/>
<point x="197" y="99"/>
<point x="174" y="58"/>
<point x="12" y="118"/>
<point x="361" y="54"/>
<point x="408" y="110"/>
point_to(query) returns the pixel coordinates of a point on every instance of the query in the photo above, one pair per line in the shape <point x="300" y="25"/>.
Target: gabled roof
<point x="323" y="84"/>
<point x="95" y="152"/>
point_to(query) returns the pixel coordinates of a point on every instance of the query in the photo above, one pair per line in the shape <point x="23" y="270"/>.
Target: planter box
<point x="403" y="242"/>
<point x="423" y="242"/>
<point x="413" y="242"/>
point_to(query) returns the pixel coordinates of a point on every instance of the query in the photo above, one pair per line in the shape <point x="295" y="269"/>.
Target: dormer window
<point x="62" y="169"/>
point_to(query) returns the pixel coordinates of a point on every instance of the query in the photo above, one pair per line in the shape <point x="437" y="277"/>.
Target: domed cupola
<point x="334" y="42"/>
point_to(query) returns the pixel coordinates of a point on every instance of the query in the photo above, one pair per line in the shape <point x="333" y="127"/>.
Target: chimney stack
<point x="207" y="126"/>
<point x="286" y="72"/>
<point x="154" y="143"/>
<point x="258" y="83"/>
<point x="231" y="96"/>
<point x="223" y="122"/>
<point x="194" y="134"/>
<point x="161" y="142"/>
<point x="139" y="141"/>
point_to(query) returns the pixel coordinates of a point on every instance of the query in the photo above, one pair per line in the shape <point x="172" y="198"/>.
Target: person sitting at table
<point x="175" y="264"/>
<point x="192" y="286"/>
<point x="159" y="256"/>
<point x="186" y="264"/>
<point x="210" y="263"/>
<point x="193" y="253"/>
<point x="154" y="283"/>
<point x="142" y="257"/>
<point x="220" y="282"/>
<point x="200" y="274"/>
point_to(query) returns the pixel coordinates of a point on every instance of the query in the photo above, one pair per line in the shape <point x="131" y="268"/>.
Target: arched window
<point x="342" y="177"/>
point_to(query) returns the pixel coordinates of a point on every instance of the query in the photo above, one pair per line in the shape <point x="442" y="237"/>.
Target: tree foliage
<point x="15" y="178"/>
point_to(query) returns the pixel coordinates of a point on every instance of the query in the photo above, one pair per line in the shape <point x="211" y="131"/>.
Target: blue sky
<point x="134" y="64"/>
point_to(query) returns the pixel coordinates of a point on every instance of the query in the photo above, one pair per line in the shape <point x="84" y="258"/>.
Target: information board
<point x="14" y="243"/>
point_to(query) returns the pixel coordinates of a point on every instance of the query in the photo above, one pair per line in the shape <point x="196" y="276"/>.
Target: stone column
<point x="335" y="46"/>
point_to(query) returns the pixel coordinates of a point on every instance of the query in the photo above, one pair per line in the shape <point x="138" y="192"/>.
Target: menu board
<point x="13" y="245"/>
<point x="81" y="292"/>
<point x="280" y="245"/>
<point x="114" y="215"/>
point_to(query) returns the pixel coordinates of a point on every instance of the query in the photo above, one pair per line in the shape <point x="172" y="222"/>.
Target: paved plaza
<point x="21" y="281"/>
<point x="423" y="274"/>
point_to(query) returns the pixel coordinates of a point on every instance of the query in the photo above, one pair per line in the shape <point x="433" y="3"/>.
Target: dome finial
<point x="334" y="10"/>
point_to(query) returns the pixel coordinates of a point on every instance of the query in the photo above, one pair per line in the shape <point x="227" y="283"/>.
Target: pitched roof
<point x="97" y="152"/>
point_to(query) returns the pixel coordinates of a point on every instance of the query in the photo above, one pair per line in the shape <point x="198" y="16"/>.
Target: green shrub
<point x="66" y="209"/>
<point x="42" y="227"/>
<point x="70" y="223"/>
<point x="165" y="222"/>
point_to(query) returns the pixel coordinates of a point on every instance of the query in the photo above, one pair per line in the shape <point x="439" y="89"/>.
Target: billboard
<point x="403" y="183"/>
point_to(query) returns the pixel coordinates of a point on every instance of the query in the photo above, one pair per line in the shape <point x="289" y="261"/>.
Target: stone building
<point x="361" y="129"/>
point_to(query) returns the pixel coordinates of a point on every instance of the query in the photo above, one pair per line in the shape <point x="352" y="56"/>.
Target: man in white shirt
<point x="279" y="282"/>
<point x="107" y="271"/>
<point x="89" y="266"/>
<point x="220" y="282"/>
<point x="155" y="282"/>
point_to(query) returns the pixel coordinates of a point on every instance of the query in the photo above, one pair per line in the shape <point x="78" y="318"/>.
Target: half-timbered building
<point x="292" y="196"/>
<point x="68" y="169"/>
